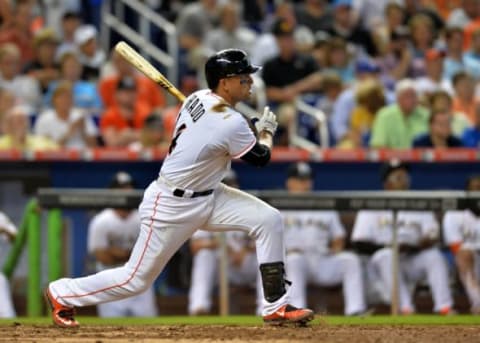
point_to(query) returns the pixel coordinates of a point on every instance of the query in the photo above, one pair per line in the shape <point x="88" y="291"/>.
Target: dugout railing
<point x="53" y="200"/>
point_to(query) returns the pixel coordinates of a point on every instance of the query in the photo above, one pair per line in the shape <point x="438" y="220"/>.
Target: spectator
<point x="433" y="80"/>
<point x="471" y="135"/>
<point x="290" y="74"/>
<point x="418" y="238"/>
<point x="69" y="127"/>
<point x="71" y="21"/>
<point x="314" y="15"/>
<point x="194" y="21"/>
<point x="396" y="125"/>
<point x="120" y="124"/>
<point x="422" y="32"/>
<point x="370" y="98"/>
<point x="441" y="101"/>
<point x="314" y="244"/>
<point x="44" y="67"/>
<point x="25" y="88"/>
<point x="111" y="236"/>
<point x="345" y="104"/>
<point x="320" y="49"/>
<point x="90" y="54"/>
<point x="462" y="16"/>
<point x="461" y="234"/>
<point x="440" y="133"/>
<point x="229" y="34"/>
<point x="471" y="57"/>
<point x="152" y="135"/>
<point x="147" y="91"/>
<point x="16" y="133"/>
<point x="8" y="230"/>
<point x="339" y="60"/>
<point x="17" y="29"/>
<point x="7" y="101"/>
<point x="331" y="88"/>
<point x="464" y="101"/>
<point x="85" y="95"/>
<point x="383" y="25"/>
<point x="453" y="62"/>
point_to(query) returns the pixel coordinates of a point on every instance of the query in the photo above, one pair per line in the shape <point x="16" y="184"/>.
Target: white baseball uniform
<point x="308" y="235"/>
<point x="463" y="228"/>
<point x="205" y="269"/>
<point x="412" y="226"/>
<point x="204" y="143"/>
<point x="107" y="229"/>
<point x="6" y="305"/>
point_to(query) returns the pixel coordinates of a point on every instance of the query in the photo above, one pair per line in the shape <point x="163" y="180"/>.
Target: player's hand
<point x="267" y="122"/>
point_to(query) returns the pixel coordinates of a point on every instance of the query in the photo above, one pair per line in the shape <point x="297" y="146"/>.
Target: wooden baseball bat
<point x="148" y="69"/>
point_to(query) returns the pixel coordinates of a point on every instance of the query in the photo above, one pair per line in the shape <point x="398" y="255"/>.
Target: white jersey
<point x="204" y="143"/>
<point x="412" y="227"/>
<point x="311" y="231"/>
<point x="107" y="229"/>
<point x="462" y="227"/>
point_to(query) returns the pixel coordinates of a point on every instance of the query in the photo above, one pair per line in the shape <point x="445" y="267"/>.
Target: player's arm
<point x="259" y="155"/>
<point x="337" y="245"/>
<point x="112" y="255"/>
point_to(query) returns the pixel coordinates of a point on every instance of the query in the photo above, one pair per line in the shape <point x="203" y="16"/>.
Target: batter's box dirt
<point x="240" y="334"/>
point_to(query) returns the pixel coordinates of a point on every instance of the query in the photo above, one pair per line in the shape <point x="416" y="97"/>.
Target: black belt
<point x="180" y="193"/>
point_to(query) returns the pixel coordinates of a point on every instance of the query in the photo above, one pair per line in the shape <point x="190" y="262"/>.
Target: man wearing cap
<point x="242" y="263"/>
<point x="89" y="53"/>
<point x="152" y="135"/>
<point x="434" y="79"/>
<point x="111" y="236"/>
<point x="418" y="238"/>
<point x="314" y="243"/>
<point x="395" y="126"/>
<point x="120" y="124"/>
<point x="188" y="194"/>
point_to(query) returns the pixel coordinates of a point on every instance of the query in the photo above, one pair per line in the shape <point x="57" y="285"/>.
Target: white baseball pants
<point x="6" y="306"/>
<point x="427" y="263"/>
<point x="329" y="270"/>
<point x="167" y="222"/>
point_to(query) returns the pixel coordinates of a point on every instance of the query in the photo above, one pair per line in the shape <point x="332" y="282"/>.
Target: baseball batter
<point x="188" y="195"/>
<point x="418" y="236"/>
<point x="314" y="242"/>
<point x="111" y="236"/>
<point x="8" y="230"/>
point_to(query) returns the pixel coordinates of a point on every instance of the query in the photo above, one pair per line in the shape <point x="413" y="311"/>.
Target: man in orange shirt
<point x="147" y="91"/>
<point x="121" y="122"/>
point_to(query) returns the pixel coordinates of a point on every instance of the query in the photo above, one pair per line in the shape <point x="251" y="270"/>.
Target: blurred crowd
<point x="386" y="73"/>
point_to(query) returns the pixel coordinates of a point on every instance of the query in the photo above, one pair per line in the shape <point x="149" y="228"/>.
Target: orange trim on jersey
<point x="136" y="267"/>
<point x="455" y="247"/>
<point x="247" y="149"/>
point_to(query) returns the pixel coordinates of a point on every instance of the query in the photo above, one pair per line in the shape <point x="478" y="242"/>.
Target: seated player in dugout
<point x="461" y="232"/>
<point x="242" y="263"/>
<point x="314" y="243"/>
<point x="188" y="194"/>
<point x="418" y="235"/>
<point x="8" y="231"/>
<point x="111" y="236"/>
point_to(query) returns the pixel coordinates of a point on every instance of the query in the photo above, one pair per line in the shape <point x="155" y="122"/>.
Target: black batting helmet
<point x="226" y="63"/>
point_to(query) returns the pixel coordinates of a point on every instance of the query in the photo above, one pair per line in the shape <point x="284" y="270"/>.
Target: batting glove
<point x="267" y="122"/>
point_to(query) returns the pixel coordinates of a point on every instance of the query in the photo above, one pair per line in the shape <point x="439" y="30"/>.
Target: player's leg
<point x="237" y="210"/>
<point x="431" y="263"/>
<point x="465" y="261"/>
<point x="6" y="306"/>
<point x="203" y="281"/>
<point x="382" y="262"/>
<point x="344" y="268"/>
<point x="297" y="271"/>
<point x="167" y="222"/>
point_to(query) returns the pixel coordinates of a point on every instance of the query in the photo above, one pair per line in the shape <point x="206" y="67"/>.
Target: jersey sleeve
<point x="430" y="227"/>
<point x="239" y="136"/>
<point x="362" y="227"/>
<point x="452" y="227"/>
<point x="97" y="234"/>
<point x="336" y="226"/>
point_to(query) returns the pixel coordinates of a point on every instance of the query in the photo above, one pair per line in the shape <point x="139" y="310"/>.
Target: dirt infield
<point x="240" y="334"/>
